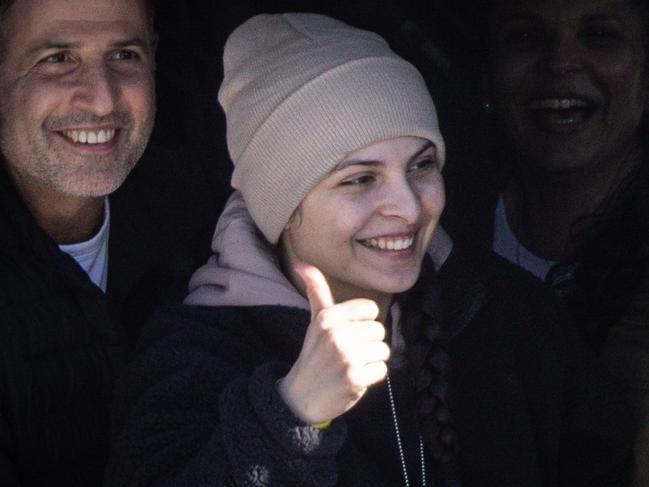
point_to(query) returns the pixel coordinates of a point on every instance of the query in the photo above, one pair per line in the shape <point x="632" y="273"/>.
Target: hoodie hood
<point x="245" y="271"/>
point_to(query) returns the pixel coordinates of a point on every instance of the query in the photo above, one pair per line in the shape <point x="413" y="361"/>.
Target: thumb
<point x="317" y="289"/>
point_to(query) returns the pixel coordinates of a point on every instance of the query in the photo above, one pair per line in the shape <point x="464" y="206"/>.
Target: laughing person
<point x="568" y="92"/>
<point x="316" y="346"/>
<point x="568" y="89"/>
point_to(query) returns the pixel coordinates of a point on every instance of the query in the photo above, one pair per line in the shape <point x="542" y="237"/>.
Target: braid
<point x="436" y="423"/>
<point x="430" y="367"/>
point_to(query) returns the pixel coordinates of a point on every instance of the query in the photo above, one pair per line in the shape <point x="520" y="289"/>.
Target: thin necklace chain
<point x="397" y="432"/>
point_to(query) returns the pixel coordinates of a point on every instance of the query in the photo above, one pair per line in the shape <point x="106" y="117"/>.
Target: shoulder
<point x="207" y="327"/>
<point x="494" y="295"/>
<point x="492" y="276"/>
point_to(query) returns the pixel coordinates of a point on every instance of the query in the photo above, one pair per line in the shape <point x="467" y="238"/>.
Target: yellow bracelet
<point x="322" y="426"/>
<point x="319" y="426"/>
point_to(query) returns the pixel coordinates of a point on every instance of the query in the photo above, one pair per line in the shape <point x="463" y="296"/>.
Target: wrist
<point x="284" y="393"/>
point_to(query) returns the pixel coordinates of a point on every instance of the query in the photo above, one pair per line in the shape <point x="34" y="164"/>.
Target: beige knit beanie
<point x="300" y="92"/>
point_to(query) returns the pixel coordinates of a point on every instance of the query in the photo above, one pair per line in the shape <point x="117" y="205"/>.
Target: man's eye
<point x="124" y="55"/>
<point x="59" y="57"/>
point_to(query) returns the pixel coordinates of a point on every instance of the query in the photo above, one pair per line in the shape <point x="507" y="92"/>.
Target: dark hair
<point x="5" y="5"/>
<point x="611" y="260"/>
<point x="429" y="364"/>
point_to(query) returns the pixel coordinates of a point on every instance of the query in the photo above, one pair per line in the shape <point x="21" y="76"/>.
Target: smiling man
<point x="85" y="253"/>
<point x="78" y="106"/>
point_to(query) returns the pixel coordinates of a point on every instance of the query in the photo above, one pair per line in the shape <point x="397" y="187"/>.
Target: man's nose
<point x="97" y="90"/>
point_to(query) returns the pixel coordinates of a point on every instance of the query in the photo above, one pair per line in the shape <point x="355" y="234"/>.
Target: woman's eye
<point x="422" y="165"/>
<point x="358" y="180"/>
<point x="601" y="34"/>
<point x="520" y="37"/>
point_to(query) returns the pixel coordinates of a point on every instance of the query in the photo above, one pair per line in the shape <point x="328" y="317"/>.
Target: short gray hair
<point x="150" y="6"/>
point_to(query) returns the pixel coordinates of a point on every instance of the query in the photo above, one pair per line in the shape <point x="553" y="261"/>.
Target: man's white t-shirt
<point x="92" y="255"/>
<point x="508" y="246"/>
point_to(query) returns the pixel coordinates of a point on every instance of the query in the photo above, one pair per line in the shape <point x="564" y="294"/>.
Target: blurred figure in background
<point x="566" y="193"/>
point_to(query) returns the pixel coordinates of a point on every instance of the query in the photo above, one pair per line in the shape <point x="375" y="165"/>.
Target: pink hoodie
<point x="245" y="271"/>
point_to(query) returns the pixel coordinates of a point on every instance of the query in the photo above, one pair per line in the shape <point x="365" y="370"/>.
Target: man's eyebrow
<point x="61" y="45"/>
<point x="46" y="46"/>
<point x="133" y="42"/>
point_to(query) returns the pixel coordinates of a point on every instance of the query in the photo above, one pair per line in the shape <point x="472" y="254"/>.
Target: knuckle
<point x="326" y="315"/>
<point x="378" y="329"/>
<point x="338" y="341"/>
<point x="383" y="369"/>
<point x="384" y="351"/>
<point x="378" y="372"/>
<point x="369" y="306"/>
<point x="328" y="335"/>
<point x="354" y="378"/>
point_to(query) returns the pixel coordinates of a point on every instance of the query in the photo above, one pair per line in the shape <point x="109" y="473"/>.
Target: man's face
<point x="78" y="99"/>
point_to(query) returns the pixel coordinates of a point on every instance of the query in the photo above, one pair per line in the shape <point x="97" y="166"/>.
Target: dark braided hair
<point x="430" y="369"/>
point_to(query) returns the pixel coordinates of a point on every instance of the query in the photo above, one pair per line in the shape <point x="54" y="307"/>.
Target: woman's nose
<point x="401" y="200"/>
<point x="563" y="54"/>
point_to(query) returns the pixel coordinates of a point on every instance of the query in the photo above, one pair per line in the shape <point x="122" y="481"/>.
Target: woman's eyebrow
<point x="373" y="162"/>
<point x="427" y="145"/>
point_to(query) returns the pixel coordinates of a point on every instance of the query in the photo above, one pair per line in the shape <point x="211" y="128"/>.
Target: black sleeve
<point x="596" y="424"/>
<point x="193" y="411"/>
<point x="597" y="443"/>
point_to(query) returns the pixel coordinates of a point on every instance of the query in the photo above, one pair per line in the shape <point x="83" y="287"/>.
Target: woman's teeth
<point x="390" y="243"/>
<point x="89" y="136"/>
<point x="560" y="114"/>
<point x="558" y="104"/>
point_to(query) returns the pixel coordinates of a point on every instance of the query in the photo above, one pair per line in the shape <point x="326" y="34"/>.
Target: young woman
<point x="316" y="346"/>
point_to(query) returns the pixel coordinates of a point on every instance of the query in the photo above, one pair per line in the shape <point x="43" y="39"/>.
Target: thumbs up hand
<point x="342" y="355"/>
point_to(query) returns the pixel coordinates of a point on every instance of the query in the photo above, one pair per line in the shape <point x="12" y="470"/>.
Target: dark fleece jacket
<point x="63" y="341"/>
<point x="199" y="406"/>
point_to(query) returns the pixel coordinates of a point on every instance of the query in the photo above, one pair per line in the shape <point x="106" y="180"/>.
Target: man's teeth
<point x="558" y="104"/>
<point x="90" y="137"/>
<point x="390" y="243"/>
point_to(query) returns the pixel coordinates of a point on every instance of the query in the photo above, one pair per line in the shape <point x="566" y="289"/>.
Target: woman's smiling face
<point x="569" y="79"/>
<point x="368" y="224"/>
